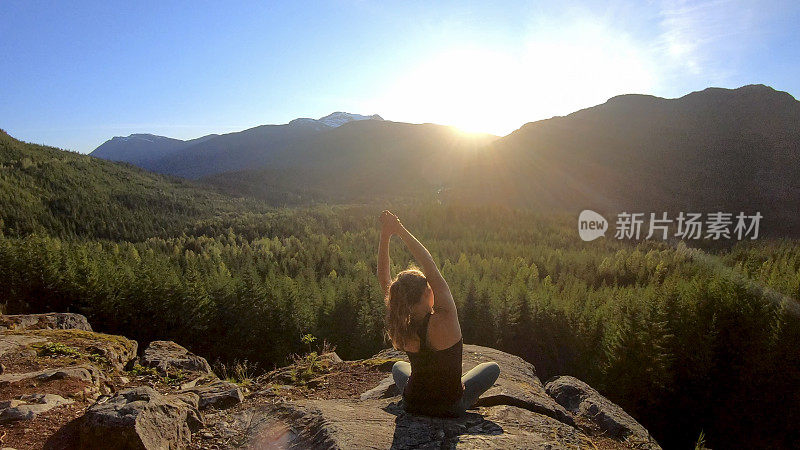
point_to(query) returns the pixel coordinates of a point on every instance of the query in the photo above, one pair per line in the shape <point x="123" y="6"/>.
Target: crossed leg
<point x="477" y="381"/>
<point x="401" y="371"/>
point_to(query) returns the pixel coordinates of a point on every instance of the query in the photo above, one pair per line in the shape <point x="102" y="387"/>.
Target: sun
<point x="482" y="89"/>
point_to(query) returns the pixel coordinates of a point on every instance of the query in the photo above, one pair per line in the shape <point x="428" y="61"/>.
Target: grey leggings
<point x="476" y="381"/>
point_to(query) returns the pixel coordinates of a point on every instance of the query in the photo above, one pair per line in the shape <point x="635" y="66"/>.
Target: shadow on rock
<point x="413" y="431"/>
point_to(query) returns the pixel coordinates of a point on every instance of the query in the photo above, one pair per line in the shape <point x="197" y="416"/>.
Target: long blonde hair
<point x="405" y="291"/>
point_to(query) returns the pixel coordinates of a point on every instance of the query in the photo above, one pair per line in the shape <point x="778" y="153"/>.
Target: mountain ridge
<point x="714" y="150"/>
<point x="166" y="154"/>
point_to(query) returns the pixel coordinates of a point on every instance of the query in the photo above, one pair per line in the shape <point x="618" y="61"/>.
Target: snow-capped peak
<point x="140" y="136"/>
<point x="334" y="120"/>
<point x="340" y="118"/>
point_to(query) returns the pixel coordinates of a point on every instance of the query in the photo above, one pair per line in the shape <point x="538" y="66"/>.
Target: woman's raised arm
<point x="443" y="298"/>
<point x="384" y="264"/>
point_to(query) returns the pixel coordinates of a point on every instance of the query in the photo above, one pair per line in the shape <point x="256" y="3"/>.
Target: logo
<point x="591" y="225"/>
<point x="685" y="226"/>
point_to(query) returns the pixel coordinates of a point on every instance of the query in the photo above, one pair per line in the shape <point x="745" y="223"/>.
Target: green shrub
<point x="56" y="349"/>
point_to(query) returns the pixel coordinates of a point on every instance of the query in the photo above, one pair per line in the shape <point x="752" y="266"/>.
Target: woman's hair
<point x="405" y="291"/>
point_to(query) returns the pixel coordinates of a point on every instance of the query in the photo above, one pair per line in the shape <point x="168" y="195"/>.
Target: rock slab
<point x="583" y="400"/>
<point x="86" y="373"/>
<point x="218" y="394"/>
<point x="49" y="321"/>
<point x="381" y="424"/>
<point x="168" y="358"/>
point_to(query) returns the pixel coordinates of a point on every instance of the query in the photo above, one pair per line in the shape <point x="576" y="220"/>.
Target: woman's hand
<point x="390" y="223"/>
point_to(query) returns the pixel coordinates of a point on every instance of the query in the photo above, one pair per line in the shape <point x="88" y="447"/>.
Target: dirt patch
<point x="344" y="380"/>
<point x="66" y="387"/>
<point x="21" y="360"/>
<point x="352" y="380"/>
<point x="32" y="434"/>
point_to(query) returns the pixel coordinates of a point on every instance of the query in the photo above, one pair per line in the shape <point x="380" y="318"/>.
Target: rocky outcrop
<point x="170" y="358"/>
<point x="53" y="369"/>
<point x="87" y="373"/>
<point x="49" y="321"/>
<point x="94" y="380"/>
<point x="29" y="406"/>
<point x="218" y="394"/>
<point x="140" y="418"/>
<point x="582" y="400"/>
<point x="318" y="402"/>
<point x="516" y="412"/>
<point x="43" y="360"/>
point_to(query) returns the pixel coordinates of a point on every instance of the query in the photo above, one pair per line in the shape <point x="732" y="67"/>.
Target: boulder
<point x="29" y="406"/>
<point x="140" y="418"/>
<point x="87" y="345"/>
<point x="49" y="321"/>
<point x="169" y="358"/>
<point x="330" y="358"/>
<point x="584" y="401"/>
<point x="218" y="394"/>
<point x="117" y="350"/>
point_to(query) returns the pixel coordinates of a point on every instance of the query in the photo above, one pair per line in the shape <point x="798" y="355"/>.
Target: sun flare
<point x="481" y="89"/>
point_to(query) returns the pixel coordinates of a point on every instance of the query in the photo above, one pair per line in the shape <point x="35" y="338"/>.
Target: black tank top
<point x="435" y="383"/>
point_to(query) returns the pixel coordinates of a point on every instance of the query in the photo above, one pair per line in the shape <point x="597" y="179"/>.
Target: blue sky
<point x="74" y="75"/>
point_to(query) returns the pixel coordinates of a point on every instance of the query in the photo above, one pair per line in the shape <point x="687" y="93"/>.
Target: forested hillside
<point x="47" y="190"/>
<point x="684" y="341"/>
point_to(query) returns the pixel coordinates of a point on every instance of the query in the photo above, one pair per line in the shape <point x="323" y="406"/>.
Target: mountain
<point x="143" y="150"/>
<point x="728" y="150"/>
<point x="47" y="190"/>
<point x="361" y="160"/>
<point x="718" y="149"/>
<point x="212" y="154"/>
<point x="254" y="147"/>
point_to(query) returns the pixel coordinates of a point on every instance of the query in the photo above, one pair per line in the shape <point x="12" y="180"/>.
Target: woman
<point x="422" y="320"/>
